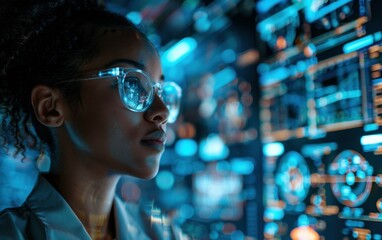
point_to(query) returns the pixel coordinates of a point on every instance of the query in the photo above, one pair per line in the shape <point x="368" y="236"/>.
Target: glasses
<point x="137" y="90"/>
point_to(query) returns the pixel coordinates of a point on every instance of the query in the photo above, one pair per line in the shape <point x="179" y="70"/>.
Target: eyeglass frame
<point x="120" y="73"/>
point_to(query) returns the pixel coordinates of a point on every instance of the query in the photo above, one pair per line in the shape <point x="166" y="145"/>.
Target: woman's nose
<point x="158" y="111"/>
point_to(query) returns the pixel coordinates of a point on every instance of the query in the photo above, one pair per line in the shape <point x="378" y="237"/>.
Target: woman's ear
<point x="48" y="105"/>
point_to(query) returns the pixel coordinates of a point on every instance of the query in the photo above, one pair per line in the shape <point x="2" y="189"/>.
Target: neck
<point x="90" y="193"/>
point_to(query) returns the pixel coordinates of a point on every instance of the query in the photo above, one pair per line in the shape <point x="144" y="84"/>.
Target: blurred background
<point x="279" y="131"/>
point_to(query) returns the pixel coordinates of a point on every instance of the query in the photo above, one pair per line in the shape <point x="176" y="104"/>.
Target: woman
<point x="88" y="84"/>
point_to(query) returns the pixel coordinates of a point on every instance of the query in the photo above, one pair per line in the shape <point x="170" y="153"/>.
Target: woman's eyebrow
<point x="130" y="62"/>
<point x="126" y="61"/>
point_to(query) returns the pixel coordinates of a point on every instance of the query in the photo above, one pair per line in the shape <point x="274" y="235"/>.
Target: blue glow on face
<point x="165" y="180"/>
<point x="213" y="148"/>
<point x="273" y="149"/>
<point x="186" y="147"/>
<point x="242" y="166"/>
<point x="180" y="50"/>
<point x="135" y="17"/>
<point x="358" y="44"/>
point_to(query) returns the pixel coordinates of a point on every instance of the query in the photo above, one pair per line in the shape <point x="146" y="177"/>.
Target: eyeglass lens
<point x="138" y="94"/>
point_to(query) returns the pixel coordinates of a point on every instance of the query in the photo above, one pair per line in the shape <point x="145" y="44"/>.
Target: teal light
<point x="274" y="76"/>
<point x="228" y="56"/>
<point x="377" y="36"/>
<point x="165" y="180"/>
<point x="274" y="213"/>
<point x="224" y="77"/>
<point x="350" y="178"/>
<point x="135" y="17"/>
<point x="266" y="5"/>
<point x="180" y="50"/>
<point x="312" y="14"/>
<point x="213" y="148"/>
<point x="370" y="127"/>
<point x="242" y="166"/>
<point x="273" y="149"/>
<point x="371" y="139"/>
<point x="271" y="228"/>
<point x="186" y="147"/>
<point x="303" y="220"/>
<point x="202" y="24"/>
<point x="358" y="44"/>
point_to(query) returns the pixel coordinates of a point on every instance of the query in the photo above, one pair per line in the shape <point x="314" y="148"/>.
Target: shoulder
<point x="13" y="222"/>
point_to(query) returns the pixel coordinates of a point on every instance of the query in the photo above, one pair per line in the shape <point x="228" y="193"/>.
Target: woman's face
<point x="102" y="128"/>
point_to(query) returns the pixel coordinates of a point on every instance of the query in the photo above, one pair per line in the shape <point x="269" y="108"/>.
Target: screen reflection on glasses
<point x="137" y="89"/>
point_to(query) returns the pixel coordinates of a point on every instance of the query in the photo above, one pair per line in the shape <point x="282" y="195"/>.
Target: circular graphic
<point x="293" y="178"/>
<point x="351" y="178"/>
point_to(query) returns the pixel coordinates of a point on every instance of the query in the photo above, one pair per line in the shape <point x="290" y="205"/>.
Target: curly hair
<point x="43" y="42"/>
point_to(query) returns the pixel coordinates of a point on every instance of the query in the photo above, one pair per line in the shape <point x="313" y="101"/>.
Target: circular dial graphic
<point x="351" y="178"/>
<point x="293" y="178"/>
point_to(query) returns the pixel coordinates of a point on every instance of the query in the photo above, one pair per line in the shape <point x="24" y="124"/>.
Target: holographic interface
<point x="321" y="119"/>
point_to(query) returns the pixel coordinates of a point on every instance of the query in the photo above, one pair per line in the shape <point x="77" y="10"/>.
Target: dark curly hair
<point x="43" y="42"/>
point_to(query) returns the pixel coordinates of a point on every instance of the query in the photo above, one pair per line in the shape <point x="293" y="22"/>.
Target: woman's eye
<point x="133" y="83"/>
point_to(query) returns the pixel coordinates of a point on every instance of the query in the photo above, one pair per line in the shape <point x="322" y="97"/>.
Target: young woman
<point x="88" y="84"/>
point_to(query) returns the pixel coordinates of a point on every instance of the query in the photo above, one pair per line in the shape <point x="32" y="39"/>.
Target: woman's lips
<point x="156" y="140"/>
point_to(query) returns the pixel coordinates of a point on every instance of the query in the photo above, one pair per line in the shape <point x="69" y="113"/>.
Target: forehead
<point x="118" y="43"/>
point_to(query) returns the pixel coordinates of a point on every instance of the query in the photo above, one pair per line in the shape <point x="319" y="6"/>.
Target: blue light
<point x="273" y="149"/>
<point x="202" y="24"/>
<point x="271" y="228"/>
<point x="274" y="76"/>
<point x="377" y="36"/>
<point x="186" y="147"/>
<point x="266" y="5"/>
<point x="371" y="139"/>
<point x="228" y="56"/>
<point x="274" y="213"/>
<point x="242" y="166"/>
<point x="224" y="77"/>
<point x="213" y="148"/>
<point x="370" y="127"/>
<point x="180" y="50"/>
<point x="262" y="67"/>
<point x="303" y="220"/>
<point x="165" y="180"/>
<point x="312" y="15"/>
<point x="186" y="211"/>
<point x="350" y="178"/>
<point x="358" y="44"/>
<point x="302" y="66"/>
<point x="135" y="17"/>
<point x="237" y="235"/>
<point x="278" y="20"/>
